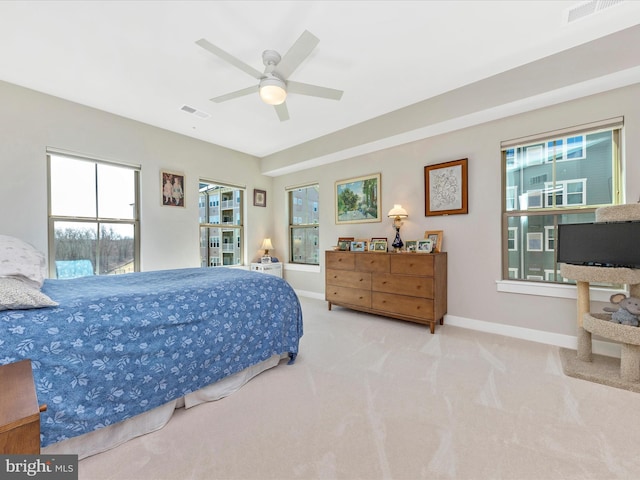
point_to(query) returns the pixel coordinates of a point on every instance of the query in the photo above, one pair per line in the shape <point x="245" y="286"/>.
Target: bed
<point x="113" y="356"/>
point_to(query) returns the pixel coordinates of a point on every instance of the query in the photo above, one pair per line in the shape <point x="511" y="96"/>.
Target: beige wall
<point x="473" y="241"/>
<point x="30" y="122"/>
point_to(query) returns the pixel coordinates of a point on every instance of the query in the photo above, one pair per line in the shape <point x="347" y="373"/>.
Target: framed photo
<point x="436" y="239"/>
<point x="424" y="246"/>
<point x="259" y="198"/>
<point x="411" y="245"/>
<point x="344" y="243"/>
<point x="375" y="239"/>
<point x="172" y="189"/>
<point x="379" y="246"/>
<point x="445" y="187"/>
<point x="357" y="200"/>
<point x="358" y="246"/>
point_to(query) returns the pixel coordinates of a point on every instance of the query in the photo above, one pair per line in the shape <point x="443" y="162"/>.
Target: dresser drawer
<point x="340" y="261"/>
<point x="403" y="285"/>
<point x="351" y="296"/>
<point x="421" y="308"/>
<point x="345" y="278"/>
<point x="372" y="262"/>
<point x="412" y="264"/>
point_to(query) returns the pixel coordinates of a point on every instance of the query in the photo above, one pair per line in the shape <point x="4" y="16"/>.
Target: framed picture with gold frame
<point x="436" y="239"/>
<point x="445" y="188"/>
<point x="358" y="200"/>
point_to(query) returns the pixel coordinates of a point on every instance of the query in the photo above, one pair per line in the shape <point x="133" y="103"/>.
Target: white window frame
<point x="549" y="237"/>
<point x="134" y="221"/>
<point x="536" y="237"/>
<point x="512" y="238"/>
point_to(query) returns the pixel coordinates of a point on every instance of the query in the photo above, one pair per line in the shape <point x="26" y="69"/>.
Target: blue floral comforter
<point x="117" y="346"/>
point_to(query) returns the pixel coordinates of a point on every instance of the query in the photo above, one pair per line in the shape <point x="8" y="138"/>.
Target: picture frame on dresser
<point x="358" y="246"/>
<point x="436" y="239"/>
<point x="379" y="246"/>
<point x="424" y="246"/>
<point x="411" y="246"/>
<point x="344" y="243"/>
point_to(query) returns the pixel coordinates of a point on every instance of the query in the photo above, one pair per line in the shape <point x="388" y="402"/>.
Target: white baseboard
<point x="314" y="295"/>
<point x="566" y="341"/>
<point x="608" y="349"/>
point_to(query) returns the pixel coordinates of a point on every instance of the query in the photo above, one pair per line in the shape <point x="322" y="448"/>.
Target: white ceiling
<point x="138" y="59"/>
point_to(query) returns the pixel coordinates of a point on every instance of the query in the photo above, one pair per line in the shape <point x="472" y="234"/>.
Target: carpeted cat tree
<point x="624" y="372"/>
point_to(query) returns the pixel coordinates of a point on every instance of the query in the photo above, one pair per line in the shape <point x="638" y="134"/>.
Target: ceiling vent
<point x="589" y="8"/>
<point x="195" y="111"/>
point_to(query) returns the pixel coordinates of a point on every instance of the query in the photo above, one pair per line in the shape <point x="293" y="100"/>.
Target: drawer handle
<point x="384" y="283"/>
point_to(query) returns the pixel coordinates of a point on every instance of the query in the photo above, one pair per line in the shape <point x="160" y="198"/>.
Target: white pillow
<point x="21" y="260"/>
<point x="17" y="295"/>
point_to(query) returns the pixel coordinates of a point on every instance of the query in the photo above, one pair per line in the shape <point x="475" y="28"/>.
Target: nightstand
<point x="268" y="268"/>
<point x="19" y="411"/>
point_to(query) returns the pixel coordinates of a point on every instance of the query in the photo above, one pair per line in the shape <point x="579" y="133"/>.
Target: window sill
<point x="552" y="290"/>
<point x="299" y="267"/>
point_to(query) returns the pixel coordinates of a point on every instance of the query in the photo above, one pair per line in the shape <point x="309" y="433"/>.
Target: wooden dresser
<point x="19" y="411"/>
<point x="407" y="286"/>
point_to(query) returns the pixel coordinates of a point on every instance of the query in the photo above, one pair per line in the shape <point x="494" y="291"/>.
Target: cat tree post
<point x="584" y="336"/>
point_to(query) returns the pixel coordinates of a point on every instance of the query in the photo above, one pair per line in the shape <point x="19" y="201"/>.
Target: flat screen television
<point x="604" y="244"/>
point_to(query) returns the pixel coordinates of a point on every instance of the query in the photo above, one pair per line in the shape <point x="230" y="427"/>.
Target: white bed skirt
<point x="109" y="437"/>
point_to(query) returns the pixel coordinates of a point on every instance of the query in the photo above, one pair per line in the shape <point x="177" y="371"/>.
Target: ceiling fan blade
<point x="230" y="58"/>
<point x="282" y="111"/>
<point x="300" y="50"/>
<point x="314" y="90"/>
<point x="236" y="94"/>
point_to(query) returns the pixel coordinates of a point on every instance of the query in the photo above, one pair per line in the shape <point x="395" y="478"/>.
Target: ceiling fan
<point x="274" y="83"/>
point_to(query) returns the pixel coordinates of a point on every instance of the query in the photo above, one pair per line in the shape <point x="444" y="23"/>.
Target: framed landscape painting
<point x="358" y="200"/>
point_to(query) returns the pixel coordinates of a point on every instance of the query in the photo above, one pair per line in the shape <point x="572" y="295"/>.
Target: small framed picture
<point x="379" y="246"/>
<point x="344" y="243"/>
<point x="358" y="246"/>
<point x="259" y="198"/>
<point x="172" y="189"/>
<point x="411" y="245"/>
<point x="436" y="239"/>
<point x="424" y="246"/>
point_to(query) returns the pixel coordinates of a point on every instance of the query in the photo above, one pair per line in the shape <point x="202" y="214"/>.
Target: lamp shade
<point x="398" y="211"/>
<point x="273" y="91"/>
<point x="266" y="244"/>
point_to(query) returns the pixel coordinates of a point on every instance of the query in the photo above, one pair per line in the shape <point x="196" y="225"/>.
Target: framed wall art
<point x="357" y="200"/>
<point x="445" y="188"/>
<point x="259" y="198"/>
<point x="172" y="189"/>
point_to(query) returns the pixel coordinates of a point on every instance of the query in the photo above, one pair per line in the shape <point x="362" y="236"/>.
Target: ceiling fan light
<point x="272" y="91"/>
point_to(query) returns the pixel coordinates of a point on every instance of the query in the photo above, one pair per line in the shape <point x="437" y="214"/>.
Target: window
<point x="580" y="172"/>
<point x="93" y="217"/>
<point x="221" y="224"/>
<point x="304" y="219"/>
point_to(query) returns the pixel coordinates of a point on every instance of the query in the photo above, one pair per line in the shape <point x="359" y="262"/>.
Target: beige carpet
<point x="373" y="398"/>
